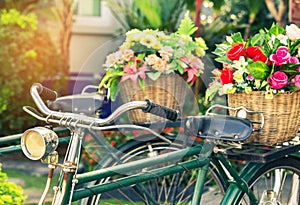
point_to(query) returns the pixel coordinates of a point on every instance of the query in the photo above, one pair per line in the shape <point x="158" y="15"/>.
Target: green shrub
<point x="26" y="56"/>
<point x="10" y="193"/>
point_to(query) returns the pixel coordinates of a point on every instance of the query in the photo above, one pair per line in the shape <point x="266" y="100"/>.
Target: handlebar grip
<point x="161" y="111"/>
<point x="46" y="93"/>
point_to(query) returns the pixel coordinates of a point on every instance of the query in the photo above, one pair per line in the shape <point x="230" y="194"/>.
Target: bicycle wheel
<point x="276" y="183"/>
<point x="171" y="189"/>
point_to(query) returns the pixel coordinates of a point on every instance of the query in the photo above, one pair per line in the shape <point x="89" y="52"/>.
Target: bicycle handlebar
<point x="161" y="111"/>
<point x="38" y="91"/>
<point x="45" y="92"/>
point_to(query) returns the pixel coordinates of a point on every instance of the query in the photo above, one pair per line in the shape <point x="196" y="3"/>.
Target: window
<point x="93" y="16"/>
<point x="89" y="8"/>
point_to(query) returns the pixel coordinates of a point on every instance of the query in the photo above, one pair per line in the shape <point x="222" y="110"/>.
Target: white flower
<point x="229" y="88"/>
<point x="283" y="39"/>
<point x="229" y="39"/>
<point x="113" y="59"/>
<point x="248" y="90"/>
<point x="293" y="32"/>
<point x="271" y="42"/>
<point x="241" y="65"/>
<point x="134" y="35"/>
<point x="238" y="77"/>
<point x="148" y="40"/>
<point x="166" y="52"/>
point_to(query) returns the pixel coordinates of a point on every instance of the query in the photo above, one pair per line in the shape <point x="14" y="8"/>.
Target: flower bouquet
<point x="151" y="63"/>
<point x="262" y="74"/>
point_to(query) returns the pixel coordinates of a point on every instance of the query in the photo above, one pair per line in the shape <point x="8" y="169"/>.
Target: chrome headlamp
<point x="37" y="143"/>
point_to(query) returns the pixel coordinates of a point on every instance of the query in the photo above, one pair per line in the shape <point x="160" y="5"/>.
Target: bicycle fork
<point x="69" y="169"/>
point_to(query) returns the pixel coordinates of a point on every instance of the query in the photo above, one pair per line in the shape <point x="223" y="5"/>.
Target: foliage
<point x="222" y="17"/>
<point x="10" y="193"/>
<point x="142" y="14"/>
<point x="152" y="53"/>
<point x="24" y="60"/>
<point x="268" y="61"/>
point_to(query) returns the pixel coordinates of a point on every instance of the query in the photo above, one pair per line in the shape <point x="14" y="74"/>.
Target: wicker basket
<point x="168" y="90"/>
<point x="281" y="115"/>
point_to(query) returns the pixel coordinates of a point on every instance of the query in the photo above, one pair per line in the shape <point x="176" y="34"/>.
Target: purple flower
<point x="250" y="77"/>
<point x="281" y="56"/>
<point x="278" y="80"/>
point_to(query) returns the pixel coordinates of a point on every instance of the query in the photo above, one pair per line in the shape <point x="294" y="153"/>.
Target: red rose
<point x="226" y="76"/>
<point x="236" y="51"/>
<point x="256" y="54"/>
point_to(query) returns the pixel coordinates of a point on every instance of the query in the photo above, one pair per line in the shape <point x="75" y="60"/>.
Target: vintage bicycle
<point x="160" y="168"/>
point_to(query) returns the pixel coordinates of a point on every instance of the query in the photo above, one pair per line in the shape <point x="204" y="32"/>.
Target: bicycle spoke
<point x="276" y="183"/>
<point x="175" y="189"/>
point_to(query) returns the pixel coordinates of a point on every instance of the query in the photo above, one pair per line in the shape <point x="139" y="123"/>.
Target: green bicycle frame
<point x="203" y="152"/>
<point x="236" y="182"/>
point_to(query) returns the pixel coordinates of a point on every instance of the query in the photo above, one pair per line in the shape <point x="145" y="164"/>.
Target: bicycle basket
<point x="281" y="115"/>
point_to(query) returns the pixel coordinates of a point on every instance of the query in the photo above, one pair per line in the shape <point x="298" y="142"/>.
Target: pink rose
<point x="281" y="56"/>
<point x="278" y="80"/>
<point x="294" y="60"/>
<point x="297" y="81"/>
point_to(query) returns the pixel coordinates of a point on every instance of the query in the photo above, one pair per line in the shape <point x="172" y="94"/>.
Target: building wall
<point x="92" y="39"/>
<point x="88" y="34"/>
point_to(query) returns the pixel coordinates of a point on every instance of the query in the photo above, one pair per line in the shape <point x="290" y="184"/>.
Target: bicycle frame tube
<point x="202" y="161"/>
<point x="238" y="185"/>
<point x="200" y="184"/>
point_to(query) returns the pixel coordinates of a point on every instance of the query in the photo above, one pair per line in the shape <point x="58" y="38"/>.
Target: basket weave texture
<point x="168" y="90"/>
<point x="281" y="115"/>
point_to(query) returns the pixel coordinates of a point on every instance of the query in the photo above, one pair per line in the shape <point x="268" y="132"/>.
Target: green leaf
<point x="295" y="46"/>
<point x="142" y="84"/>
<point x="109" y="76"/>
<point x="290" y="69"/>
<point x="276" y="30"/>
<point x="221" y="49"/>
<point x="167" y="8"/>
<point x="187" y="26"/>
<point x="257" y="39"/>
<point x="212" y="91"/>
<point x="153" y="75"/>
<point x="258" y="70"/>
<point x="141" y="56"/>
<point x="152" y="11"/>
<point x="223" y="59"/>
<point x="114" y="90"/>
<point x="254" y="6"/>
<point x="237" y="37"/>
<point x="180" y="70"/>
